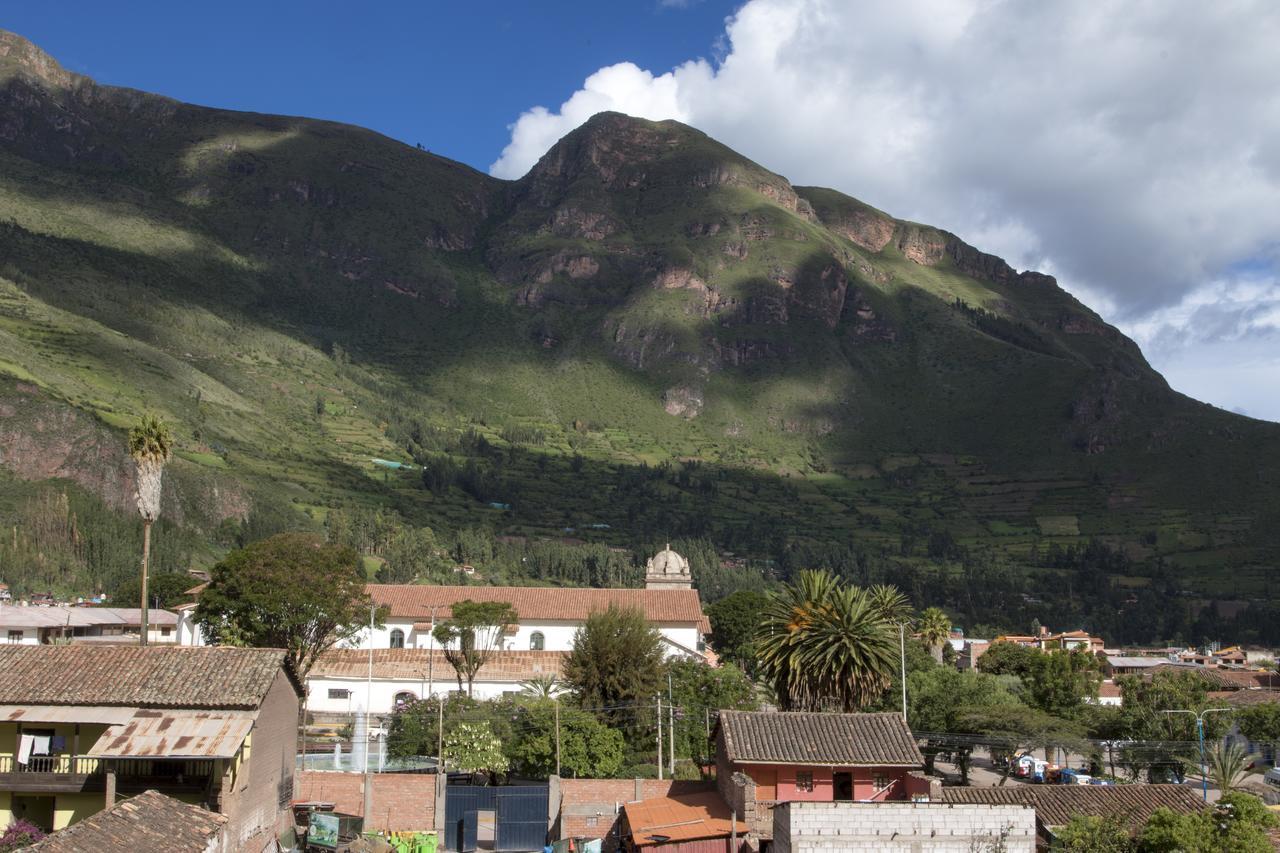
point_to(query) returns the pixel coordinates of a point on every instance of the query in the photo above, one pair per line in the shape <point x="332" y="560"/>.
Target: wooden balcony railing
<point x="83" y="765"/>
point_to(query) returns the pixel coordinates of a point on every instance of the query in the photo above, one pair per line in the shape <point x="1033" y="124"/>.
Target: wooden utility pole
<point x="557" y="736"/>
<point x="671" y="727"/>
<point x="440" y="736"/>
<point x="659" y="736"/>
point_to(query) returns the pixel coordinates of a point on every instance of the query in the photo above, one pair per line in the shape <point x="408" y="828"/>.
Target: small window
<point x="404" y="698"/>
<point x="804" y="781"/>
<point x="881" y="781"/>
<point x="339" y="693"/>
<point x="537" y="642"/>
<point x="593" y="821"/>
<point x="15" y="636"/>
<point x="165" y="632"/>
<point x="397" y="639"/>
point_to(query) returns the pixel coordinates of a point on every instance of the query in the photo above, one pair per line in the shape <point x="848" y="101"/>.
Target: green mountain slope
<point x="648" y="335"/>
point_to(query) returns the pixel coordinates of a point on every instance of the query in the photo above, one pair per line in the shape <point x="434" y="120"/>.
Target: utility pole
<point x="557" y="736"/>
<point x="671" y="727"/>
<point x="431" y="654"/>
<point x="368" y="710"/>
<point x="659" y="737"/>
<point x="440" y="736"/>
<point x="1204" y="772"/>
<point x="902" y="651"/>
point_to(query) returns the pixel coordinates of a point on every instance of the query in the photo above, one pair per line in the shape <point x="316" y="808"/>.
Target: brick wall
<point x="907" y="827"/>
<point x="401" y="801"/>
<point x="257" y="805"/>
<point x="589" y="807"/>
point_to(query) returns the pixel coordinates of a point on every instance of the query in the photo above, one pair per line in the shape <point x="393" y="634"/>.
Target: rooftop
<point x="414" y="664"/>
<point x="149" y="821"/>
<point x="552" y="604"/>
<point x="137" y="676"/>
<point x="81" y="617"/>
<point x="820" y="739"/>
<point x="1055" y="805"/>
<point x="684" y="818"/>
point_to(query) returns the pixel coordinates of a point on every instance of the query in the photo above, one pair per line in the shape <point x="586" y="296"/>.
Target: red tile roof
<point x="684" y="818"/>
<point x="149" y="821"/>
<point x="552" y="604"/>
<point x="414" y="664"/>
<point x="136" y="676"/>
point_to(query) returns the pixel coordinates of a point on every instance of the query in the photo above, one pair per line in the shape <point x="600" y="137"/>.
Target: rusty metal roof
<point x="684" y="818"/>
<point x="63" y="714"/>
<point x="149" y="821"/>
<point x="175" y="734"/>
<point x="138" y="676"/>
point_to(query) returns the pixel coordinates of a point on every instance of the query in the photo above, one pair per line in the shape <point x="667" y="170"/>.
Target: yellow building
<point x="83" y="725"/>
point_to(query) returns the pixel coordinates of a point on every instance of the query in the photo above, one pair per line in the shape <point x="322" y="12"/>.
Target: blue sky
<point x="1130" y="149"/>
<point x="451" y="75"/>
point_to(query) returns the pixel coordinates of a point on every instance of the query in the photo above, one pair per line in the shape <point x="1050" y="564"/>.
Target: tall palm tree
<point x="1227" y="764"/>
<point x="151" y="446"/>
<point x="934" y="629"/>
<point x="889" y="602"/>
<point x="822" y="644"/>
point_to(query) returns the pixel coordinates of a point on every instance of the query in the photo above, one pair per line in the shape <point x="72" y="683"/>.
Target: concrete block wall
<point x="901" y="828"/>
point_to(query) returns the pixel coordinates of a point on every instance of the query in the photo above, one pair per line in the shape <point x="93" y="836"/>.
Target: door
<point x="842" y="786"/>
<point x="522" y="819"/>
<point x="470" y="827"/>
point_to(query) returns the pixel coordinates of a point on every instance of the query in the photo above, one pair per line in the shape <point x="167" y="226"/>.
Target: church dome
<point x="667" y="567"/>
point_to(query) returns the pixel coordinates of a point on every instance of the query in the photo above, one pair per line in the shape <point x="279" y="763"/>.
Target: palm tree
<point x="934" y="629"/>
<point x="151" y="446"/>
<point x="542" y="686"/>
<point x="1226" y="764"/>
<point x="822" y="644"/>
<point x="889" y="602"/>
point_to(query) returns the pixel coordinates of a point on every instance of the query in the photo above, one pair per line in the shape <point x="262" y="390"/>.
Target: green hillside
<point x="648" y="336"/>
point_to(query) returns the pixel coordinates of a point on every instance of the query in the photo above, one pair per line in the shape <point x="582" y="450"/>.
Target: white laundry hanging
<point x="25" y="745"/>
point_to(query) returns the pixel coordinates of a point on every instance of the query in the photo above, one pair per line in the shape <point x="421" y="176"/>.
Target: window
<point x="881" y="781"/>
<point x="339" y="693"/>
<point x="404" y="698"/>
<point x="15" y="636"/>
<point x="165" y="632"/>
<point x="537" y="642"/>
<point x="397" y="639"/>
<point x="804" y="781"/>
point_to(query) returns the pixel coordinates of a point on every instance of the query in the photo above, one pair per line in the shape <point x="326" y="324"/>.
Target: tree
<point x="413" y="554"/>
<point x="1227" y="764"/>
<point x="291" y="592"/>
<point x="1260" y="723"/>
<point x="475" y="632"/>
<point x="414" y="727"/>
<point x="1023" y="729"/>
<point x="588" y="748"/>
<point x="821" y="645"/>
<point x="541" y="687"/>
<point x="1092" y="834"/>
<point x="734" y="621"/>
<point x="699" y="693"/>
<point x="167" y="588"/>
<point x="891" y="605"/>
<point x="19" y="835"/>
<point x="1061" y="681"/>
<point x="936" y="697"/>
<point x="1009" y="659"/>
<point x="616" y="665"/>
<point x="1238" y="823"/>
<point x="934" y="628"/>
<point x="150" y="446"/>
<point x="474" y="748"/>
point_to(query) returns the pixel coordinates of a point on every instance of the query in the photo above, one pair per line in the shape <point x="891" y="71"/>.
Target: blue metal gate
<point x="520" y="816"/>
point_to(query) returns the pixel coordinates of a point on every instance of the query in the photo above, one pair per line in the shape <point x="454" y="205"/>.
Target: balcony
<point x="75" y="773"/>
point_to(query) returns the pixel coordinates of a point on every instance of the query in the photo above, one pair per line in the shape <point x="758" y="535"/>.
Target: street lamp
<point x="1204" y="771"/>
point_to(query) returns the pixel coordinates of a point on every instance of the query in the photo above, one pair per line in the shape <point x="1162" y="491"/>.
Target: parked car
<point x="1272" y="777"/>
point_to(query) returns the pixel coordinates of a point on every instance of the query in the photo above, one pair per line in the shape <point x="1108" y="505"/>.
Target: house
<point x="1055" y="805"/>
<point x="149" y="821"/>
<point x="970" y="652"/>
<point x="34" y="626"/>
<point x="1130" y="664"/>
<point x="764" y="758"/>
<point x="1046" y="641"/>
<point x="83" y="724"/>
<point x="339" y="681"/>
<point x="548" y="617"/>
<point x="689" y="823"/>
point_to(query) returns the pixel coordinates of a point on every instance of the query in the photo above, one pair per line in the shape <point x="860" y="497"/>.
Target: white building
<point x="548" y="617"/>
<point x="339" y="683"/>
<point x="34" y="626"/>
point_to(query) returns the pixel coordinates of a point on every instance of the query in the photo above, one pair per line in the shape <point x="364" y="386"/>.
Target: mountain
<point x="648" y="335"/>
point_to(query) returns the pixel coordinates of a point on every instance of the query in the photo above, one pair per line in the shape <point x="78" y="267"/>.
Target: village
<point x="108" y="742"/>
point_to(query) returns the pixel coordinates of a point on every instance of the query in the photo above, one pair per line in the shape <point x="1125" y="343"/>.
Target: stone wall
<point x="906" y="827"/>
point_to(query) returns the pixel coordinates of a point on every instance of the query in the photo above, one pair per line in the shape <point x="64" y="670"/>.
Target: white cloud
<point x="1130" y="147"/>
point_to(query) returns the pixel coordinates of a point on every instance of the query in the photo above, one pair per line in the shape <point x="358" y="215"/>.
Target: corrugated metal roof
<point x="819" y="739"/>
<point x="81" y="617"/>
<point x="139" y="676"/>
<point x="663" y="606"/>
<point x="684" y="818"/>
<point x="175" y="734"/>
<point x="63" y="714"/>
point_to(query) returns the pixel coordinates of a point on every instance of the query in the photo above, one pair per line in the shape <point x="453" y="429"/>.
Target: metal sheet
<point x="175" y="734"/>
<point x="64" y="714"/>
